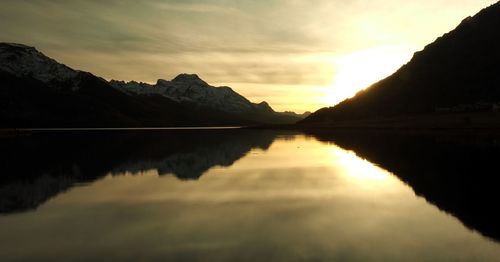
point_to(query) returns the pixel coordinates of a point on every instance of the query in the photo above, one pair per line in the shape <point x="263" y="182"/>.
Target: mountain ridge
<point x="191" y="88"/>
<point x="38" y="91"/>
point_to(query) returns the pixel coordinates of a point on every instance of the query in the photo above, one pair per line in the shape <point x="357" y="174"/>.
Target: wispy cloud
<point x="273" y="42"/>
<point x="198" y="8"/>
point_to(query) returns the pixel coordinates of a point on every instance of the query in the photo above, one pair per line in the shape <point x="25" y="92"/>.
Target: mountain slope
<point x="23" y="61"/>
<point x="458" y="73"/>
<point x="37" y="91"/>
<point x="190" y="88"/>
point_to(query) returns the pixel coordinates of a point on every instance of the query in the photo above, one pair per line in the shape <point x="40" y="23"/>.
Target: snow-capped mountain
<point x="37" y="91"/>
<point x="26" y="61"/>
<point x="190" y="88"/>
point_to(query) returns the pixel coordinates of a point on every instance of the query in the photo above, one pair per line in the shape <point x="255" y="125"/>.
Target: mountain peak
<point x="25" y="61"/>
<point x="4" y="47"/>
<point x="162" y="82"/>
<point x="264" y="106"/>
<point x="189" y="78"/>
<point x="12" y="51"/>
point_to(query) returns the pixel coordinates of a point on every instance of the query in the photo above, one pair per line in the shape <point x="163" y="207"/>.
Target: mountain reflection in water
<point x="458" y="172"/>
<point x="248" y="195"/>
<point x="41" y="166"/>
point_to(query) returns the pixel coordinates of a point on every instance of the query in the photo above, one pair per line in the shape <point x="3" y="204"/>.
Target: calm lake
<point x="248" y="195"/>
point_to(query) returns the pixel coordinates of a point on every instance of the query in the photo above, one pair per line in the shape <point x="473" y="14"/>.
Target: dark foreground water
<point x="248" y="195"/>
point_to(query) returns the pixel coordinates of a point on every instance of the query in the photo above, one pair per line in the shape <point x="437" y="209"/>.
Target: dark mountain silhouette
<point x="457" y="172"/>
<point x="38" y="167"/>
<point x="37" y="91"/>
<point x="451" y="82"/>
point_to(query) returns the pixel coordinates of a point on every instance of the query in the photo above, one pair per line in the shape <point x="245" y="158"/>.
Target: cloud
<point x="227" y="41"/>
<point x="198" y="8"/>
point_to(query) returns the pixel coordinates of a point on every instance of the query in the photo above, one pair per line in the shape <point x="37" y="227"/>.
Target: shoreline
<point x="479" y="122"/>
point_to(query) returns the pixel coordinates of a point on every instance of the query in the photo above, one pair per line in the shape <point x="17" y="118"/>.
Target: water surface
<point x="217" y="195"/>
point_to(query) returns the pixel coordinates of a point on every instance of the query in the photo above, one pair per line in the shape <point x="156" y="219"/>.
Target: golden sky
<point x="295" y="54"/>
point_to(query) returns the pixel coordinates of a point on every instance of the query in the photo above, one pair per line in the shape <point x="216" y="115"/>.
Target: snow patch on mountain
<point x="191" y="88"/>
<point x="26" y="61"/>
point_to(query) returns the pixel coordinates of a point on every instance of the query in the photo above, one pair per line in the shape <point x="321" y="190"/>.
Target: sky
<point x="298" y="55"/>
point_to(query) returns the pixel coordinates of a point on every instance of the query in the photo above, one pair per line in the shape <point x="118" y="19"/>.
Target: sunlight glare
<point x="359" y="70"/>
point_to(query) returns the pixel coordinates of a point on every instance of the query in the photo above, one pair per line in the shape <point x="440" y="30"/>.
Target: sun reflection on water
<point x="356" y="169"/>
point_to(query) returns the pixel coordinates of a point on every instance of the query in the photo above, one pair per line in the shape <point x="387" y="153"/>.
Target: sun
<point x="359" y="70"/>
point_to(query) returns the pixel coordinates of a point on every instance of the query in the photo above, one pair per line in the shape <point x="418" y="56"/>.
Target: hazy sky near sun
<point x="296" y="54"/>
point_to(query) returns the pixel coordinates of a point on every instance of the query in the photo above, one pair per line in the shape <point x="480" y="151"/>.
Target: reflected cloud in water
<point x="236" y="195"/>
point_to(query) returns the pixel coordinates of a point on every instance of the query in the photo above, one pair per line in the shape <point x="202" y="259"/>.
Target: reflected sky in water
<point x="299" y="200"/>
